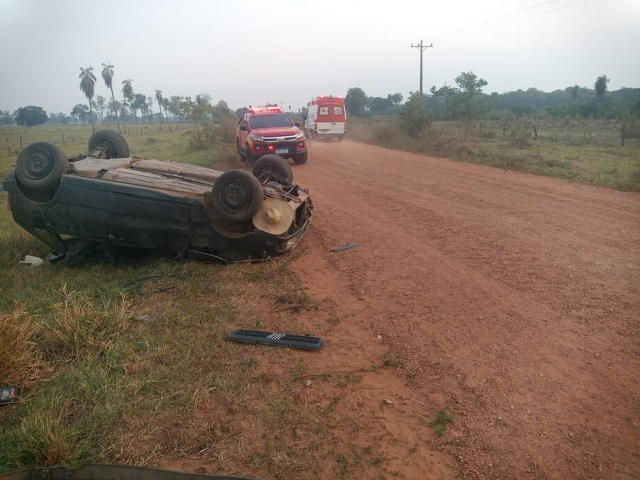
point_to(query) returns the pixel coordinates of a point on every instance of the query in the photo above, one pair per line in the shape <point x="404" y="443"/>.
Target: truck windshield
<point x="266" y="121"/>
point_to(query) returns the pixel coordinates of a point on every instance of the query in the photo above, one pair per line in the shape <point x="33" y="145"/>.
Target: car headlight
<point x="256" y="138"/>
<point x="299" y="137"/>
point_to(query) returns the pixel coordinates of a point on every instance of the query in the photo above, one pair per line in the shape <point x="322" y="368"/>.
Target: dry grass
<point x="20" y="360"/>
<point x="552" y="154"/>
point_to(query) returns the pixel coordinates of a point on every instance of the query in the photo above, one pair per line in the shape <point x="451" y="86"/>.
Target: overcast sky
<point x="253" y="52"/>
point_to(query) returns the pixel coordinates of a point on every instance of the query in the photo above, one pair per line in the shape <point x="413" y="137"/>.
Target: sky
<point x="250" y="52"/>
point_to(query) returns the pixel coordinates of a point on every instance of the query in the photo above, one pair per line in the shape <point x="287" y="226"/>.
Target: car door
<point x="148" y="222"/>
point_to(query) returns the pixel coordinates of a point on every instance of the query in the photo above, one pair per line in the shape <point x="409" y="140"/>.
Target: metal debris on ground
<point x="9" y="394"/>
<point x="31" y="260"/>
<point x="109" y="472"/>
<point x="302" y="342"/>
<point x="340" y="248"/>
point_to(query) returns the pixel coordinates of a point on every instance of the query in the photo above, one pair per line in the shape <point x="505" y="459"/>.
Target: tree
<point x="159" y="99"/>
<point x="395" y="99"/>
<point x="127" y="93"/>
<point x="6" y="118"/>
<point x="601" y="88"/>
<point x="166" y="103"/>
<point x="137" y="104"/>
<point x="101" y="105"/>
<point x="79" y="112"/>
<point x="356" y="101"/>
<point x="107" y="76"/>
<point x="412" y="118"/>
<point x="87" y="85"/>
<point x="465" y="101"/>
<point x="203" y="99"/>
<point x="30" y="116"/>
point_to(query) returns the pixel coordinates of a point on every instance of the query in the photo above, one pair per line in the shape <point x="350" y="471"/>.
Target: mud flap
<point x="109" y="472"/>
<point x="302" y="342"/>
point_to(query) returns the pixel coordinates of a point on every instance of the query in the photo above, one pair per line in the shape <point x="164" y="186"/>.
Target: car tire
<point x="41" y="165"/>
<point x="117" y="146"/>
<point x="301" y="158"/>
<point x="236" y="196"/>
<point x="275" y="164"/>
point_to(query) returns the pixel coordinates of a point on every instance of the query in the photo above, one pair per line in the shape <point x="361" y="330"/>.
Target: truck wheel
<point x="41" y="166"/>
<point x="272" y="165"/>
<point x="114" y="144"/>
<point x="236" y="196"/>
<point x="301" y="159"/>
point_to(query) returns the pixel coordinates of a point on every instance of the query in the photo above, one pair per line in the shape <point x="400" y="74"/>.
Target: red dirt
<point x="514" y="300"/>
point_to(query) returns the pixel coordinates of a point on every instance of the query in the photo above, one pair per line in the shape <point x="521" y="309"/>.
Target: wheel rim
<point x="234" y="196"/>
<point x="38" y="165"/>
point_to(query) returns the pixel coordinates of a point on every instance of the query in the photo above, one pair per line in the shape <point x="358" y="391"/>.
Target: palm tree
<point x="159" y="100"/>
<point x="87" y="85"/>
<point x="107" y="76"/>
<point x="127" y="92"/>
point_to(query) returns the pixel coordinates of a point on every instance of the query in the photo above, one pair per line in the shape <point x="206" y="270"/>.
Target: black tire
<point x="41" y="165"/>
<point x="275" y="164"/>
<point x="236" y="196"/>
<point x="302" y="158"/>
<point x="116" y="145"/>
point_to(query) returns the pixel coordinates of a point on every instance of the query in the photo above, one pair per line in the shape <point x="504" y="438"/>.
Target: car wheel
<point x="302" y="158"/>
<point x="236" y="196"/>
<point x="113" y="144"/>
<point x="41" y="165"/>
<point x="273" y="166"/>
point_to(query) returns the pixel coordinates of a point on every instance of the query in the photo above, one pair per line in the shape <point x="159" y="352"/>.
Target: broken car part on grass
<point x="110" y="472"/>
<point x="302" y="342"/>
<point x="112" y="204"/>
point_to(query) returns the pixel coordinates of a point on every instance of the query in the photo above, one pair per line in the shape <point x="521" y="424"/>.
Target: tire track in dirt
<point x="513" y="298"/>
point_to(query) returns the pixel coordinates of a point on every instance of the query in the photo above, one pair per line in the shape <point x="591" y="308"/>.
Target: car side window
<point x="323" y="111"/>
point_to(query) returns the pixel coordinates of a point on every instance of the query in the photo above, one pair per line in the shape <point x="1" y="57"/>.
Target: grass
<point x="439" y="424"/>
<point x="71" y="338"/>
<point x="581" y="160"/>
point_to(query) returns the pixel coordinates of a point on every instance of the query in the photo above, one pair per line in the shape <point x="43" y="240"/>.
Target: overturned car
<point x="114" y="204"/>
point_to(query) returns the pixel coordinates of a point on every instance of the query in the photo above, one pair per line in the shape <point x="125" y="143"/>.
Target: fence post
<point x="8" y="145"/>
<point x="21" y="147"/>
<point x="63" y="140"/>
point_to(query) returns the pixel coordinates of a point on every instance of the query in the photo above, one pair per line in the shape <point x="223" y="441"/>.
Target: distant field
<point x="552" y="154"/>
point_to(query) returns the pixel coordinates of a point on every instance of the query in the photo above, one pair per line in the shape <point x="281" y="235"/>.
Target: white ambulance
<point x="326" y="117"/>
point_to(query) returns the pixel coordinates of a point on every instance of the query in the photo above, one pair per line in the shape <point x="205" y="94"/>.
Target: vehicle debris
<point x="302" y="342"/>
<point x="9" y="394"/>
<point x="31" y="260"/>
<point x="348" y="246"/>
<point x="98" y="471"/>
<point x="108" y="204"/>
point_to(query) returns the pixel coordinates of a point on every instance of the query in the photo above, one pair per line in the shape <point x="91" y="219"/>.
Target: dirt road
<point x="513" y="300"/>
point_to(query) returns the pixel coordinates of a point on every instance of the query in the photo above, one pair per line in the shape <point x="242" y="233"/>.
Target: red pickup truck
<point x="268" y="130"/>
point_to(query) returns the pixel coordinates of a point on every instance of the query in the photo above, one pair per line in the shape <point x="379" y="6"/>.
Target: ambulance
<point x="326" y="117"/>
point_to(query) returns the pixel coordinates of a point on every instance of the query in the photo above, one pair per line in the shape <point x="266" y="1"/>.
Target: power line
<point x="515" y="20"/>
<point x="494" y="19"/>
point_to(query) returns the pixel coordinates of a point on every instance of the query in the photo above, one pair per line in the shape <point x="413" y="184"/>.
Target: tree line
<point x="466" y="101"/>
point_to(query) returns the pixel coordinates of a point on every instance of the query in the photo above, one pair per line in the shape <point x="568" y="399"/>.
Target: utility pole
<point x="422" y="48"/>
